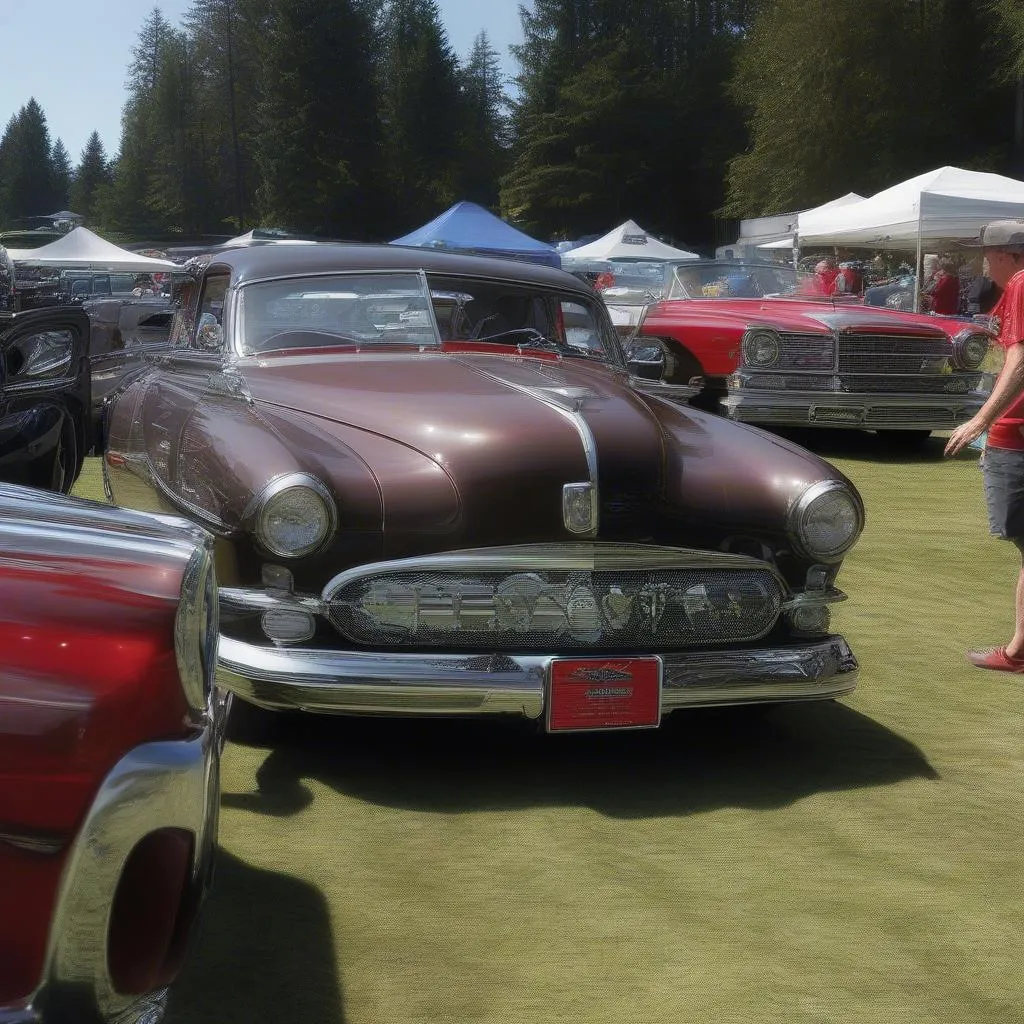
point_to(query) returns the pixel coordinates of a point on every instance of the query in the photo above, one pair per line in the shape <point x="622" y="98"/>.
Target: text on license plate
<point x="604" y="693"/>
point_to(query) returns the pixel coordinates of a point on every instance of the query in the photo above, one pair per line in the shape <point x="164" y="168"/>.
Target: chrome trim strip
<point x="270" y="600"/>
<point x="352" y="682"/>
<point x="568" y="409"/>
<point x="600" y="556"/>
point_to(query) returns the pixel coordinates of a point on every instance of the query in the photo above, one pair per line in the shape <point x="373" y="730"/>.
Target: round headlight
<point x="826" y="521"/>
<point x="969" y="351"/>
<point x="295" y="518"/>
<point x="761" y="349"/>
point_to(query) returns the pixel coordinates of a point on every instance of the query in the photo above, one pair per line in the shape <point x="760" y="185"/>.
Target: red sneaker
<point x="995" y="658"/>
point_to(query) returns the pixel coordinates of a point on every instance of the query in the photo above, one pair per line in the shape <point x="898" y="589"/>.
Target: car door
<point x="181" y="378"/>
<point x="44" y="396"/>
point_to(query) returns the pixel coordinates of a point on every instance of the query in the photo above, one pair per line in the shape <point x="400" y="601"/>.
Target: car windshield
<point x="361" y="309"/>
<point x="410" y="309"/>
<point x="739" y="281"/>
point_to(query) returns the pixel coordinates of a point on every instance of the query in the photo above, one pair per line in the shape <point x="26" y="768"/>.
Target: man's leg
<point x="1015" y="648"/>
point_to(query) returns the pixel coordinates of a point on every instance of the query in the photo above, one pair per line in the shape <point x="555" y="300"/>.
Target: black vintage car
<point x="44" y="390"/>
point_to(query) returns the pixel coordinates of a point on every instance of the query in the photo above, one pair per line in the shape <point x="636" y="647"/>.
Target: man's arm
<point x="1008" y="388"/>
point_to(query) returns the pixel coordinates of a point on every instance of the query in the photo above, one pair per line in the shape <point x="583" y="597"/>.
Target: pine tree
<point x="317" y="137"/>
<point x="92" y="174"/>
<point x="60" y="175"/>
<point x="423" y="113"/>
<point x="485" y="140"/>
<point x="26" y="171"/>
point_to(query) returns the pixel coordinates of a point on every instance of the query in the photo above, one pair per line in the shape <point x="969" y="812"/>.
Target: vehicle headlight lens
<point x="826" y="521"/>
<point x="761" y="349"/>
<point x="295" y="519"/>
<point x="970" y="351"/>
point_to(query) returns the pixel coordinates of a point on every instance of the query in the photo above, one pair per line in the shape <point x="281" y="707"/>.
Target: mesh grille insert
<point x="555" y="611"/>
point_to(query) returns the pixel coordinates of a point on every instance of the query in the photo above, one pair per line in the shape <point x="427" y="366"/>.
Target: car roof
<point x="261" y="262"/>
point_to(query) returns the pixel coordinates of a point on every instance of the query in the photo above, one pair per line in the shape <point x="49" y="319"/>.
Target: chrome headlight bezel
<point x="804" y="506"/>
<point x="271" y="497"/>
<point x="962" y="343"/>
<point x="197" y="630"/>
<point x="762" y="340"/>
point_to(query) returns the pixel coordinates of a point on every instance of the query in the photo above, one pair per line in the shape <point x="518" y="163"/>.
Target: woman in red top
<point x="943" y="292"/>
<point x="1003" y="417"/>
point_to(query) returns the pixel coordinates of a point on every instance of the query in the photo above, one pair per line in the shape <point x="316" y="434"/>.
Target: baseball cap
<point x="999" y="234"/>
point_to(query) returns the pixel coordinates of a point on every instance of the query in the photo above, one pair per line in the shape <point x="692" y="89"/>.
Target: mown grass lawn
<point x="857" y="862"/>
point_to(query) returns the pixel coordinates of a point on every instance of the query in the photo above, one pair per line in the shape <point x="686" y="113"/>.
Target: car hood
<point x="508" y="432"/>
<point x="795" y="316"/>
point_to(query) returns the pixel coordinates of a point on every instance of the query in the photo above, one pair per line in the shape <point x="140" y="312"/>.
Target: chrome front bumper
<point x="171" y="784"/>
<point x="349" y="682"/>
<point x="839" y="409"/>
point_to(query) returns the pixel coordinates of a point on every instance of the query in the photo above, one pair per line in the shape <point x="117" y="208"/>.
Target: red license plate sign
<point x="604" y="693"/>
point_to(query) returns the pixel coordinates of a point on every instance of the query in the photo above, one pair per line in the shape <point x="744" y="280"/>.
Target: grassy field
<point x="856" y="862"/>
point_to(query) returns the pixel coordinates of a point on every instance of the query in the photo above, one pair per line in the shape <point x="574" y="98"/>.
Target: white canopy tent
<point x="627" y="241"/>
<point x="83" y="248"/>
<point x="793" y="241"/>
<point x="944" y="204"/>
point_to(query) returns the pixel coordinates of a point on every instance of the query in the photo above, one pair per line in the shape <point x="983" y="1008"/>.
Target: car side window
<point x="581" y="328"/>
<point x="209" y="334"/>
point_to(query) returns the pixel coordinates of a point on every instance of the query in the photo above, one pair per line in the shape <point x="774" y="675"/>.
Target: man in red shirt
<point x="1003" y="417"/>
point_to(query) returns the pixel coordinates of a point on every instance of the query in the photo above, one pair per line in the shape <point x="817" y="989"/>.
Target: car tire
<point x="65" y="464"/>
<point x="904" y="440"/>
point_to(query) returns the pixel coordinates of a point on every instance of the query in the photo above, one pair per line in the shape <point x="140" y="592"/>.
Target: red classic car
<point x="438" y="490"/>
<point x="110" y="737"/>
<point x="774" y="352"/>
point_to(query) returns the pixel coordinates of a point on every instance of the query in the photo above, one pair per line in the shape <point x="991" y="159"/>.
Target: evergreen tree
<point x="92" y="173"/>
<point x="26" y="171"/>
<point x="317" y="136"/>
<point x="423" y="113"/>
<point x="859" y="102"/>
<point x="60" y="176"/>
<point x="126" y="204"/>
<point x="226" y="37"/>
<point x="485" y="139"/>
<point x="622" y="113"/>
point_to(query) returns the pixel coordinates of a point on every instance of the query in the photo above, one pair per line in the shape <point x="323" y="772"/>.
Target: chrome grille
<point x="807" y="352"/>
<point x="921" y="384"/>
<point x="558" y="610"/>
<point x="883" y="353"/>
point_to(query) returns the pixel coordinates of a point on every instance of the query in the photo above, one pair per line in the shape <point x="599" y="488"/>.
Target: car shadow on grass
<point x="264" y="953"/>
<point x="865" y="446"/>
<point x="698" y="761"/>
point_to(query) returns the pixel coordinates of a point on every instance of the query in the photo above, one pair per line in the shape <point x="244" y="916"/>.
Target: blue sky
<point x="72" y="57"/>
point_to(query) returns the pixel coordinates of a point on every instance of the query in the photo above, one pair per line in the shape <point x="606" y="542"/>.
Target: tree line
<point x="356" y="119"/>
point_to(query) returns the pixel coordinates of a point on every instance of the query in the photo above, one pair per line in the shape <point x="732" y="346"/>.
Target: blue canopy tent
<point x="470" y="228"/>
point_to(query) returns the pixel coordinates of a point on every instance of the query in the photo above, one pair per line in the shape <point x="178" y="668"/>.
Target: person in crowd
<point x="1002" y="417"/>
<point x="942" y="294"/>
<point x="143" y="285"/>
<point x="849" y="280"/>
<point x="981" y="294"/>
<point x="825" y="274"/>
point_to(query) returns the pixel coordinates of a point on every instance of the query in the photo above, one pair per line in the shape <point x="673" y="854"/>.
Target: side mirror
<point x="646" y="360"/>
<point x="210" y="335"/>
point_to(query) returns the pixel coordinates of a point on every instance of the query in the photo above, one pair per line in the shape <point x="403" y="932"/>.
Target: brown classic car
<point x="438" y="490"/>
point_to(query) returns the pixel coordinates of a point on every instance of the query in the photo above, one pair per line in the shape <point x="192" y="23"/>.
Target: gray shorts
<point x="1003" y="473"/>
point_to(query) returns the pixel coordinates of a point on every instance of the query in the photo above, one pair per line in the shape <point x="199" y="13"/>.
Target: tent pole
<point x="796" y="251"/>
<point x="918" y="268"/>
